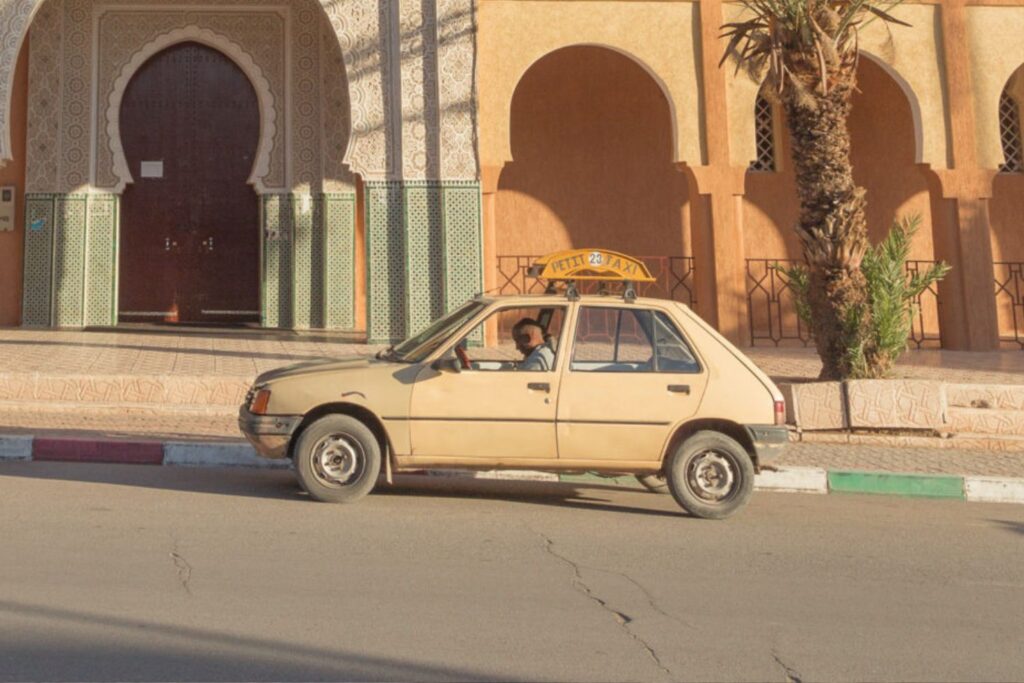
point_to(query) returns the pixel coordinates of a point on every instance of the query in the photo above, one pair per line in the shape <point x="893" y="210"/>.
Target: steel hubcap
<point x="711" y="476"/>
<point x="337" y="460"/>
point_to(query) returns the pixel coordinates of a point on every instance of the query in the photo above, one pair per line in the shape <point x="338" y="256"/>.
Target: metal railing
<point x="674" y="277"/>
<point x="1010" y="302"/>
<point x="771" y="306"/>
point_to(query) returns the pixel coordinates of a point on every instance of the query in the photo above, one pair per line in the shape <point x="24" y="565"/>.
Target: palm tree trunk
<point x="832" y="226"/>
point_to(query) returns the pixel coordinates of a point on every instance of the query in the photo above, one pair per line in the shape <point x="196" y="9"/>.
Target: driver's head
<point x="528" y="335"/>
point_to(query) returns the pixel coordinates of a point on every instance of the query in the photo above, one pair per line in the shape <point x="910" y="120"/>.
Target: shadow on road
<point x="280" y="484"/>
<point x="60" y="644"/>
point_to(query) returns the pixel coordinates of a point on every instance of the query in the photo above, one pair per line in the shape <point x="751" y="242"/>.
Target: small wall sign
<point x="151" y="169"/>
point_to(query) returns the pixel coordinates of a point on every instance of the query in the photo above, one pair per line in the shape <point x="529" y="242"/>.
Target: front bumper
<point x="268" y="434"/>
<point x="769" y="441"/>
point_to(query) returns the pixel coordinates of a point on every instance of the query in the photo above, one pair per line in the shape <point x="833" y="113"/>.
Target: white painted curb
<point x="994" y="490"/>
<point x="15" y="447"/>
<point x="793" y="480"/>
<point x="217" y="455"/>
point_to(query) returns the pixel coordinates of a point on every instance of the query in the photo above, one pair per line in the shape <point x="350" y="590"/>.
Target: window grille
<point x="1010" y="134"/>
<point x="764" y="136"/>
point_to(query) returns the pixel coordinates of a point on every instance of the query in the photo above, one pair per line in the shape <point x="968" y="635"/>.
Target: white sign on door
<point x="152" y="169"/>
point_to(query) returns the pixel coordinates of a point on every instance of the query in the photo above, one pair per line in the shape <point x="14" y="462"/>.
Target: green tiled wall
<point x="424" y="253"/>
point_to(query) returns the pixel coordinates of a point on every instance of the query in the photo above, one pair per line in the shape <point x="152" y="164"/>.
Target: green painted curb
<point x="920" y="485"/>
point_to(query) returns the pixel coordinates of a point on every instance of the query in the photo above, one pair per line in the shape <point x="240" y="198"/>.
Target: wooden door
<point x="190" y="221"/>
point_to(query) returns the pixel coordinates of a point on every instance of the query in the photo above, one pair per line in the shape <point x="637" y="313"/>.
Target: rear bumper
<point x="268" y="434"/>
<point x="769" y="441"/>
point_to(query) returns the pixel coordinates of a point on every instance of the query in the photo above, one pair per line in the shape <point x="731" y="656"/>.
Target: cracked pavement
<point x="460" y="579"/>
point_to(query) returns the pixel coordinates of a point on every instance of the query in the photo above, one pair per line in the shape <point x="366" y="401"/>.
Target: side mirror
<point x="447" y="365"/>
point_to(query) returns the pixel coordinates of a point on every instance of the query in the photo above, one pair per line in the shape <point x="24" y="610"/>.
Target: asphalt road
<point x="156" y="573"/>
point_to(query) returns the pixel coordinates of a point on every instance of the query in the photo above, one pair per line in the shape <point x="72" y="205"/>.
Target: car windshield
<point x="415" y="349"/>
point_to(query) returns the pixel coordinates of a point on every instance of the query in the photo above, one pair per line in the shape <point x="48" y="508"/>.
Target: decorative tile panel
<point x="425" y="255"/>
<point x="277" y="261"/>
<point x="69" y="260"/>
<point x="101" y="260"/>
<point x="386" y="261"/>
<point x="339" y="211"/>
<point x="308" y="253"/>
<point x="39" y="226"/>
<point x="463" y="242"/>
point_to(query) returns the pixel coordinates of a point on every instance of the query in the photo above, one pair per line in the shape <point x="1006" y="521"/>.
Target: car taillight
<point x="780" y="412"/>
<point x="260" y="402"/>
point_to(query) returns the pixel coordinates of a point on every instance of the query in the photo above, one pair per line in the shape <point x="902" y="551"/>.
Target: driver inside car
<point x="528" y="336"/>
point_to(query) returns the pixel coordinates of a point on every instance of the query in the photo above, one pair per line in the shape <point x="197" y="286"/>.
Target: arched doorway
<point x="591" y="136"/>
<point x="190" y="125"/>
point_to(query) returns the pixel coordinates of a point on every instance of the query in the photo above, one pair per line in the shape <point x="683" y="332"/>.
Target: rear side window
<point x="629" y="340"/>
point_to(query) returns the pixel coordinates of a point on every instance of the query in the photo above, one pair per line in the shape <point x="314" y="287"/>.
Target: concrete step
<point x="207" y="390"/>
<point x="985" y="421"/>
<point x="985" y="396"/>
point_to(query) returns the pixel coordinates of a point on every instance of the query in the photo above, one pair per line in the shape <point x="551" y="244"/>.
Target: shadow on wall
<point x="592" y="147"/>
<point x="882" y="147"/>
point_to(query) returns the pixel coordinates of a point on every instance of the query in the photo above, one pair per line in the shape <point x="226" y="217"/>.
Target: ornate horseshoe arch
<point x="268" y="112"/>
<point x="357" y="26"/>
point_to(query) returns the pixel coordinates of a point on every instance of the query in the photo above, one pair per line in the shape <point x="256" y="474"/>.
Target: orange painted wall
<point x="1006" y="210"/>
<point x="13" y="173"/>
<point x="882" y="152"/>
<point x="592" y="146"/>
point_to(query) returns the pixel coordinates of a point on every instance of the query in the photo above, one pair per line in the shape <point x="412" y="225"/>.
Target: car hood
<point x="318" y="366"/>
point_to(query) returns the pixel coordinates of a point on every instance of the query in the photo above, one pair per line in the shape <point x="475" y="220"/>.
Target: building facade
<point x="364" y="165"/>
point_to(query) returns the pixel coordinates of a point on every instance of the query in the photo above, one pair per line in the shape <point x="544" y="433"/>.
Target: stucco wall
<point x="592" y="149"/>
<point x="996" y="39"/>
<point x="514" y="35"/>
<point x="13" y="173"/>
<point x="910" y="55"/>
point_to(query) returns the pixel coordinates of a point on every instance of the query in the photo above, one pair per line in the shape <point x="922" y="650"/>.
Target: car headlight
<point x="259" y="401"/>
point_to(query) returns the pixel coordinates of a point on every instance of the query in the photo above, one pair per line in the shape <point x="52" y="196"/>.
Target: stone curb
<point x="788" y="480"/>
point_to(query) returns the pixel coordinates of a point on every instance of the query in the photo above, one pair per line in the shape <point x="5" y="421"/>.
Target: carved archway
<point x="244" y="61"/>
<point x="356" y="25"/>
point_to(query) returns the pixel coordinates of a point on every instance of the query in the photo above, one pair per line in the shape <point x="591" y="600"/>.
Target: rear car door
<point x="631" y="377"/>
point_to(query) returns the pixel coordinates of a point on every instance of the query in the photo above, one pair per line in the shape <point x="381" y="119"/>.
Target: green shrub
<point x="892" y="294"/>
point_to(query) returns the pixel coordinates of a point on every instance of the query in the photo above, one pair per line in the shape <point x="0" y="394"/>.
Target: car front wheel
<point x="710" y="475"/>
<point x="337" y="459"/>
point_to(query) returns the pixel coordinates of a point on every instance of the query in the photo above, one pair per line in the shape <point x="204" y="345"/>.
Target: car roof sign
<point x="590" y="264"/>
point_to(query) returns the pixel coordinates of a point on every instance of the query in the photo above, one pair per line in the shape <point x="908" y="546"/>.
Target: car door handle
<point x="539" y="386"/>
<point x="679" y="388"/>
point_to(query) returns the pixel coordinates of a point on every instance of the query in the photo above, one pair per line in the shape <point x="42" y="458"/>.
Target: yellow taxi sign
<point x="590" y="264"/>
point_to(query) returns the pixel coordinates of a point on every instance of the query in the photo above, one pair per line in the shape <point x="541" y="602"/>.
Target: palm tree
<point x="806" y="51"/>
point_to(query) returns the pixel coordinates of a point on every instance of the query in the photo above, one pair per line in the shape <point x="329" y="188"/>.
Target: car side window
<point x="629" y="340"/>
<point x="519" y="338"/>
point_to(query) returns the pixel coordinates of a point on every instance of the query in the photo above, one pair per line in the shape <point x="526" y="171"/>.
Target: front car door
<point x="631" y="378"/>
<point x="492" y="412"/>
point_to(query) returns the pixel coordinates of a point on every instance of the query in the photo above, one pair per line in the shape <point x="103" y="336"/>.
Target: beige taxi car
<point x="562" y="382"/>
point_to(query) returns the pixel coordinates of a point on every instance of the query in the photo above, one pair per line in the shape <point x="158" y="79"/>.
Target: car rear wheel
<point x="337" y="459"/>
<point x="655" y="483"/>
<point x="710" y="475"/>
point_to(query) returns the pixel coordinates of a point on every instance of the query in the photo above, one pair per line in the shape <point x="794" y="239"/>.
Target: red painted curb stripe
<point x="82" y="450"/>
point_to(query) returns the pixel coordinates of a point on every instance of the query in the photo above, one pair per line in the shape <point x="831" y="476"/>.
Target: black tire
<point x="655" y="483"/>
<point x="710" y="475"/>
<point x="337" y="459"/>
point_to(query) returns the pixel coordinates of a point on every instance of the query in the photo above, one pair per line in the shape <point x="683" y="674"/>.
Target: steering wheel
<point x="463" y="357"/>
